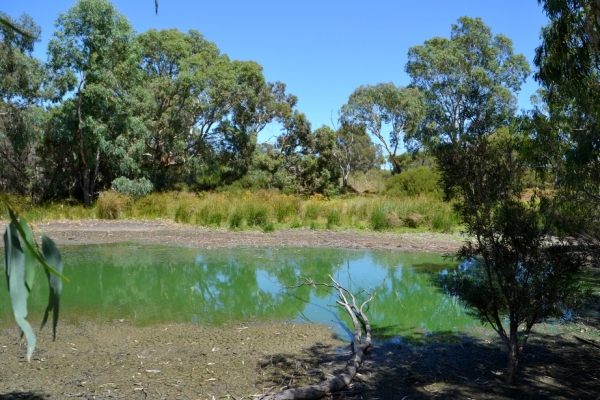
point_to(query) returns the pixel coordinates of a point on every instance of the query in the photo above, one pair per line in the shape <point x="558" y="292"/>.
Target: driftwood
<point x="588" y="341"/>
<point x="360" y="345"/>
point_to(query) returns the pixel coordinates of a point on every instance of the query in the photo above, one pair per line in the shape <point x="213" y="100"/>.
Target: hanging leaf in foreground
<point x="22" y="253"/>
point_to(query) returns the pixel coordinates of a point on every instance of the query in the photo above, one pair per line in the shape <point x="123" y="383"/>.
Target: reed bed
<point x="263" y="210"/>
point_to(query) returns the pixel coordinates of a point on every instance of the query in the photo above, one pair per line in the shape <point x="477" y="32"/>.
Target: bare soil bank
<point x="113" y="359"/>
<point x="103" y="231"/>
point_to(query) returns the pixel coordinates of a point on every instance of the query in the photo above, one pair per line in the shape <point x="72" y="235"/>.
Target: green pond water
<point x="157" y="284"/>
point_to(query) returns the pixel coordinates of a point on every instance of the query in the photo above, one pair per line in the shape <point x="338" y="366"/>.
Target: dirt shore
<point x="102" y="231"/>
<point x="114" y="359"/>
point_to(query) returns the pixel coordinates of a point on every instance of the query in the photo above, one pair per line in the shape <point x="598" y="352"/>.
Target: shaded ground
<point x="113" y="359"/>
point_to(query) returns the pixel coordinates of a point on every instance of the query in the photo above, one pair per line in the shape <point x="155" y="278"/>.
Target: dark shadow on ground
<point x="555" y="366"/>
<point x="23" y="396"/>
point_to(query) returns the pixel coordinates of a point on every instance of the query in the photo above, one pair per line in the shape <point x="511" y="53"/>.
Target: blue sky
<point x="324" y="49"/>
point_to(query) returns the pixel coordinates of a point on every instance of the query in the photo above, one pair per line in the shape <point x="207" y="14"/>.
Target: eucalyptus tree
<point x="386" y="105"/>
<point x="469" y="81"/>
<point x="22" y="84"/>
<point x="306" y="156"/>
<point x="95" y="64"/>
<point x="204" y="110"/>
<point x="354" y="151"/>
<point x="568" y="61"/>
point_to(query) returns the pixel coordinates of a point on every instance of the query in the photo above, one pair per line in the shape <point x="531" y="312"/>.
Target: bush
<point x="236" y="219"/>
<point x="334" y="218"/>
<point x="378" y="219"/>
<point x="286" y="207"/>
<point x="136" y="188"/>
<point x="257" y="215"/>
<point x="111" y="204"/>
<point x="421" y="181"/>
<point x="268" y="227"/>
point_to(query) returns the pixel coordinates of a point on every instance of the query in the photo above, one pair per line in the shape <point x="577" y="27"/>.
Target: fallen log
<point x="588" y="341"/>
<point x="360" y="345"/>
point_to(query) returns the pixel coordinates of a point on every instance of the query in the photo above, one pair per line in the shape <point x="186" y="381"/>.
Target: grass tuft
<point x="110" y="205"/>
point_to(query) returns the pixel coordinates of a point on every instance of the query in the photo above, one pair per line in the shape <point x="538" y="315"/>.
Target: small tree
<point x="520" y="275"/>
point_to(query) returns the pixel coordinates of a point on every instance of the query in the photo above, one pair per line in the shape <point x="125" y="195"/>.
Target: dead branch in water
<point x="360" y="345"/>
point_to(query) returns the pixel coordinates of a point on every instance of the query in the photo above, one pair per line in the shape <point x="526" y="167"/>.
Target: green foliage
<point x="22" y="92"/>
<point x="257" y="215"/>
<point x="135" y="188"/>
<point x="268" y="227"/>
<point x="305" y="157"/>
<point x="334" y="218"/>
<point x="378" y="219"/>
<point x="468" y="80"/>
<point x="565" y="122"/>
<point x="286" y="208"/>
<point x="374" y="106"/>
<point x="238" y="210"/>
<point x="22" y="253"/>
<point x="520" y="275"/>
<point x="420" y="181"/>
<point x="95" y="62"/>
<point x="204" y="110"/>
<point x="236" y="219"/>
<point x="415" y="159"/>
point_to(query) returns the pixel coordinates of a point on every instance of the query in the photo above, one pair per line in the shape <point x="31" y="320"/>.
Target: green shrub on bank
<point x="420" y="181"/>
<point x="136" y="188"/>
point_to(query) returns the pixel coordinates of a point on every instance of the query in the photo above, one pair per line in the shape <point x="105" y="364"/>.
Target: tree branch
<point x="360" y="345"/>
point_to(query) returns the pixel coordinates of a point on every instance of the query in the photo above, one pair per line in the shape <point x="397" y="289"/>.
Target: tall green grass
<point x="263" y="210"/>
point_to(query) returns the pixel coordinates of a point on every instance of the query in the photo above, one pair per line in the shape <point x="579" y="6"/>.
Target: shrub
<point x="136" y="188"/>
<point x="334" y="218"/>
<point x="311" y="210"/>
<point x="184" y="213"/>
<point x="444" y="221"/>
<point x="111" y="204"/>
<point x="236" y="219"/>
<point x="257" y="215"/>
<point x="286" y="207"/>
<point x="421" y="181"/>
<point x="268" y="227"/>
<point x="378" y="220"/>
<point x="155" y="205"/>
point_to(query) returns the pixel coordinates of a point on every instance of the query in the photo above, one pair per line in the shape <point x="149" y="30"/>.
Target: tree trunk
<point x="514" y="355"/>
<point x="396" y="164"/>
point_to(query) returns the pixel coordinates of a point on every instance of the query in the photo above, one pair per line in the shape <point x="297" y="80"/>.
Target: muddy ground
<point x="114" y="359"/>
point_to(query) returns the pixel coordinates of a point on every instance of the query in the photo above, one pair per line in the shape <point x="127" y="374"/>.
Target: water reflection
<point x="152" y="284"/>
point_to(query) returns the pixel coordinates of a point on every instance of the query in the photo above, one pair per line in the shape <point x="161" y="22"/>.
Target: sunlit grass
<point x="264" y="210"/>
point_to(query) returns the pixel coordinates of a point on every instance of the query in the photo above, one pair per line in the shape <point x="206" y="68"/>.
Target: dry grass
<point x="263" y="210"/>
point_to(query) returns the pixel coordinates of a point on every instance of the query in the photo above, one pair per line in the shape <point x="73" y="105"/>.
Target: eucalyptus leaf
<point x="30" y="259"/>
<point x="15" y="271"/>
<point x="31" y="246"/>
<point x="53" y="258"/>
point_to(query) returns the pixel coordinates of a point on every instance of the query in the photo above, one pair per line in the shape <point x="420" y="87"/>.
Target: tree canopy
<point x="469" y="81"/>
<point x="377" y="107"/>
